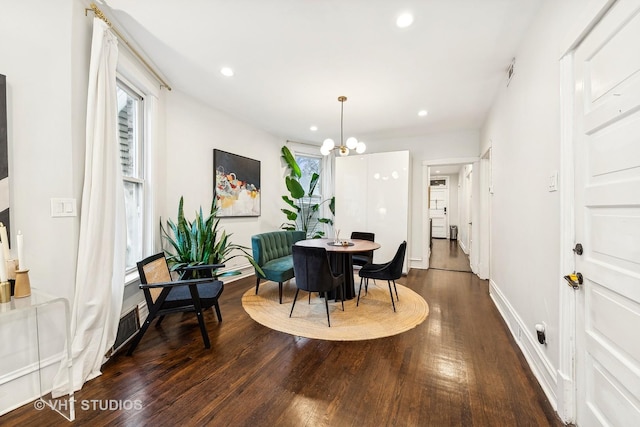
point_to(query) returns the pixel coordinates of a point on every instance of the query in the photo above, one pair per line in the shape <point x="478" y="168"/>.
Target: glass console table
<point x="44" y="311"/>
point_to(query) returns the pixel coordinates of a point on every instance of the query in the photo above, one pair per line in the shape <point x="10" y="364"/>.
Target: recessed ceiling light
<point x="423" y="113"/>
<point x="437" y="171"/>
<point x="404" y="20"/>
<point x="313" y="128"/>
<point x="226" y="71"/>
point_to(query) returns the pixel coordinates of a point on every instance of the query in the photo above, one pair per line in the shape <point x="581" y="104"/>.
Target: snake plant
<point x="200" y="241"/>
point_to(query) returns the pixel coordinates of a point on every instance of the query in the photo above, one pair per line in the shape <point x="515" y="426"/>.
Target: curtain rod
<point x="100" y="15"/>
<point x="303" y="143"/>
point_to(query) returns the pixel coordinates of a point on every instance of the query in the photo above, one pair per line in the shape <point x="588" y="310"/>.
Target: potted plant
<point x="200" y="241"/>
<point x="303" y="214"/>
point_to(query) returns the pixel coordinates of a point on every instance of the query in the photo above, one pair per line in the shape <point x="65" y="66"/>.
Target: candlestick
<point x="5" y="292"/>
<point x="5" y="241"/>
<point x="20" y="243"/>
<point x="3" y="268"/>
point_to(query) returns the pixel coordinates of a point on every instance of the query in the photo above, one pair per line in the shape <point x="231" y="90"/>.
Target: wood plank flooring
<point x="448" y="255"/>
<point x="459" y="368"/>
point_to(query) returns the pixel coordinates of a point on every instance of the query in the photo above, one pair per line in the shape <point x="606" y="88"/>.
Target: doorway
<point x="448" y="176"/>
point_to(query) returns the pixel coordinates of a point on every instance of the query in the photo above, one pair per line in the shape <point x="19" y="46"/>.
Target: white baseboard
<point x="542" y="368"/>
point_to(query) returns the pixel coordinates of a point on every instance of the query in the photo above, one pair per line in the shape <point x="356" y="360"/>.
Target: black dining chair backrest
<point x="395" y="267"/>
<point x="313" y="274"/>
<point x="366" y="257"/>
<point x="312" y="269"/>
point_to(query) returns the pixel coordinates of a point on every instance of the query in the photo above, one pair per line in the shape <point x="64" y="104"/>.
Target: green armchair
<point x="272" y="252"/>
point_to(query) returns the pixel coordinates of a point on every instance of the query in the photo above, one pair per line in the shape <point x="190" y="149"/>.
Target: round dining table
<point x="340" y="257"/>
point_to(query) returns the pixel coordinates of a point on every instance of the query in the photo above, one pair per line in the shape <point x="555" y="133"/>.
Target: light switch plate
<point x="553" y="181"/>
<point x="61" y="207"/>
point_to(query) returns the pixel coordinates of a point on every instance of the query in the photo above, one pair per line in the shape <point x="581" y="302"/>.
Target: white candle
<point x="3" y="268"/>
<point x="5" y="241"/>
<point x="20" y="242"/>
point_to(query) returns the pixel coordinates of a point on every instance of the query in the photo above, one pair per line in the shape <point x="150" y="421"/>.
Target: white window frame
<point x="132" y="73"/>
<point x="139" y="160"/>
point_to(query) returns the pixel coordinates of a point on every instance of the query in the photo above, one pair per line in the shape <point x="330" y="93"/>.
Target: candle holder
<point x="5" y="292"/>
<point x="23" y="287"/>
<point x="12" y="266"/>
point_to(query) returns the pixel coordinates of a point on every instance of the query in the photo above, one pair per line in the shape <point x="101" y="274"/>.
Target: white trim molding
<point x="540" y="365"/>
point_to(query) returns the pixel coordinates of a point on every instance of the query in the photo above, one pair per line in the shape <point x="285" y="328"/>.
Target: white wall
<point x="46" y="85"/>
<point x="524" y="129"/>
<point x="45" y="54"/>
<point x="193" y="130"/>
<point x="452" y="145"/>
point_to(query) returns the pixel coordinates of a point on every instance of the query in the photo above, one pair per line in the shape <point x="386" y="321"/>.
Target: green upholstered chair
<point x="272" y="252"/>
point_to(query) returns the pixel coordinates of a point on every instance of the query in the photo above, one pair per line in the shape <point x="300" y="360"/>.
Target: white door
<point x="438" y="206"/>
<point x="607" y="219"/>
<point x="469" y="188"/>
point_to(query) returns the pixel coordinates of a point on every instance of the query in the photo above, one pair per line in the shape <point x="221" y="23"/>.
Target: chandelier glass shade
<point x="344" y="148"/>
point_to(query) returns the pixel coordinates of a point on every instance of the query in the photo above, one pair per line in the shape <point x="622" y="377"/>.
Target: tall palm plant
<point x="303" y="214"/>
<point x="201" y="241"/>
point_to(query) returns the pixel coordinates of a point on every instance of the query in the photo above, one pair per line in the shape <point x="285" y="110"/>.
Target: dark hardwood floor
<point x="459" y="368"/>
<point x="448" y="255"/>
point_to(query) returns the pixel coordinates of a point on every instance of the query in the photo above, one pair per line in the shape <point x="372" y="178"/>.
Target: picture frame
<point x="236" y="185"/>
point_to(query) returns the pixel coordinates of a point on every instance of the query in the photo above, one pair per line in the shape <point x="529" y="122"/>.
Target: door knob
<point x="578" y="249"/>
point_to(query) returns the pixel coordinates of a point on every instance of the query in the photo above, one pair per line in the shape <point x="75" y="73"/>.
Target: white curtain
<point x="101" y="249"/>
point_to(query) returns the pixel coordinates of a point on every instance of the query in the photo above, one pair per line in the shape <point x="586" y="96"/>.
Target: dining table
<point x="340" y="257"/>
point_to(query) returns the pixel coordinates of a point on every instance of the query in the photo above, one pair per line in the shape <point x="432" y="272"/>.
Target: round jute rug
<point x="373" y="318"/>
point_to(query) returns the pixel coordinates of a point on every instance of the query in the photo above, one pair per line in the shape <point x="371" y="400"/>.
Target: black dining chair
<point x="313" y="274"/>
<point x="390" y="272"/>
<point x="363" y="258"/>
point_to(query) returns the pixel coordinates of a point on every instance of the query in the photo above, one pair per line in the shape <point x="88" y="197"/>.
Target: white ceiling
<point x="293" y="58"/>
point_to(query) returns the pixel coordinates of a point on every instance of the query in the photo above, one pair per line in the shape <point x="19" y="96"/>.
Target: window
<point x="308" y="165"/>
<point x="131" y="138"/>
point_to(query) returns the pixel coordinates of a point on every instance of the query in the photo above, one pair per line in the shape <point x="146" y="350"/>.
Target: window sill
<point x="131" y="278"/>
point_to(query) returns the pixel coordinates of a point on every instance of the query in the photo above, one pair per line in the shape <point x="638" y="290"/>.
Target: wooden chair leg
<point x="280" y="291"/>
<point x="295" y="297"/>
<point x="359" y="289"/>
<point x="203" y="329"/>
<point x="391" y="295"/>
<point x="138" y="337"/>
<point x="257" y="284"/>
<point x="217" y="307"/>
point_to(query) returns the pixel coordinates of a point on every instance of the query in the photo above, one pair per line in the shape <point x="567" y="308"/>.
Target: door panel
<point x="438" y="202"/>
<point x="607" y="218"/>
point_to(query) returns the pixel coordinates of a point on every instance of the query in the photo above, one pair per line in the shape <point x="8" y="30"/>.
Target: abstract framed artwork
<point x="236" y="184"/>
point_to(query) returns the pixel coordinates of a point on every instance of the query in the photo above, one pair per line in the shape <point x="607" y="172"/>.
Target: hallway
<point x="447" y="255"/>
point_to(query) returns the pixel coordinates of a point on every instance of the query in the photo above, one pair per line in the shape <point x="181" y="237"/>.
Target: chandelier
<point x="351" y="144"/>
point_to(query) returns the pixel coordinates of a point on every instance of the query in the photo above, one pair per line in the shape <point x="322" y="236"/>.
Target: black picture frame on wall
<point x="236" y="185"/>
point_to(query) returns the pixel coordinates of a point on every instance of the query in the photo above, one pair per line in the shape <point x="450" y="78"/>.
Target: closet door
<point x="372" y="194"/>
